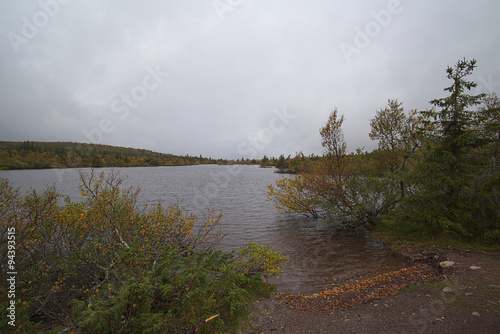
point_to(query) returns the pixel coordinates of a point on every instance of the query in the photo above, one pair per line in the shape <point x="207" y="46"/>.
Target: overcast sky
<point x="229" y="78"/>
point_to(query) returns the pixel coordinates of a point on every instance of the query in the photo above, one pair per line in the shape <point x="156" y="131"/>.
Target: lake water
<point x="318" y="254"/>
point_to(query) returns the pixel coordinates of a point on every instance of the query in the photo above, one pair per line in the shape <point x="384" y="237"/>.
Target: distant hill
<point x="35" y="155"/>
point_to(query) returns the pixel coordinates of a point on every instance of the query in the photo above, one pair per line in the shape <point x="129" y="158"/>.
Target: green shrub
<point x="103" y="265"/>
<point x="492" y="237"/>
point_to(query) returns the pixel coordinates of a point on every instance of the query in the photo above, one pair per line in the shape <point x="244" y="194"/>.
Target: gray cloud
<point x="229" y="65"/>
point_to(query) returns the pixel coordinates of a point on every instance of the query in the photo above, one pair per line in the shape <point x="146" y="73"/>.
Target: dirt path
<point x="462" y="298"/>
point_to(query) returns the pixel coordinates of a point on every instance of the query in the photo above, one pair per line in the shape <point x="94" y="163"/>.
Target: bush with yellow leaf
<point x="105" y="265"/>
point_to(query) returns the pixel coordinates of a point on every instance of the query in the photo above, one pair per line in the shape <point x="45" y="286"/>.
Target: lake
<point x="319" y="255"/>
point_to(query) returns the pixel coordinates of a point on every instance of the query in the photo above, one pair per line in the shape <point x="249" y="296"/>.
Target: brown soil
<point x="410" y="300"/>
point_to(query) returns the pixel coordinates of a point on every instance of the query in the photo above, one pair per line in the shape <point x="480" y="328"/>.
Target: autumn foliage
<point x="32" y="155"/>
<point x="436" y="169"/>
<point x="106" y="265"/>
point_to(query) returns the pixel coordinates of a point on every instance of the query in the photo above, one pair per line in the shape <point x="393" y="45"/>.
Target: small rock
<point x="446" y="264"/>
<point x="476" y="314"/>
<point x="447" y="289"/>
<point x="474" y="267"/>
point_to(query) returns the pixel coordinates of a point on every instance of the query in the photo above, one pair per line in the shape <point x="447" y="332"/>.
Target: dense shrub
<point x="104" y="265"/>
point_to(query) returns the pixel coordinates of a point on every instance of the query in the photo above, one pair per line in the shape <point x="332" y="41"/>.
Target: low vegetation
<point x="106" y="265"/>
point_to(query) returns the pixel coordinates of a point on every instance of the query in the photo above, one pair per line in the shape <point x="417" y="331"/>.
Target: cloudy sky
<point x="229" y="78"/>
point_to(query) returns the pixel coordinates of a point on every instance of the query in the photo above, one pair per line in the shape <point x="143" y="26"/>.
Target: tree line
<point x="41" y="155"/>
<point x="33" y="155"/>
<point x="436" y="170"/>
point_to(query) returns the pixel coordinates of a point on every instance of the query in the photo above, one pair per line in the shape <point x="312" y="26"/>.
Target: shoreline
<point x="457" y="299"/>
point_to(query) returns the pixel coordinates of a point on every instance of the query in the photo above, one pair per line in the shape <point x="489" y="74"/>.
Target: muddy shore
<point x="430" y="296"/>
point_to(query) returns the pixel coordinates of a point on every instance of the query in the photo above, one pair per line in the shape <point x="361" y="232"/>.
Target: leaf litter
<point x="350" y="293"/>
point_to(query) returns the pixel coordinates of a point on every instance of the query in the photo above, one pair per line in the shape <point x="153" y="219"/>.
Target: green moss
<point x="413" y="288"/>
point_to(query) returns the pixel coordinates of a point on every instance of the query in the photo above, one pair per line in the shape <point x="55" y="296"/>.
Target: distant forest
<point x="34" y="155"/>
<point x="40" y="155"/>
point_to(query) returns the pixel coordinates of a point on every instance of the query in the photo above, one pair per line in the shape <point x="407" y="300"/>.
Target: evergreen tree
<point x="282" y="163"/>
<point x="449" y="166"/>
<point x="454" y="123"/>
